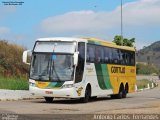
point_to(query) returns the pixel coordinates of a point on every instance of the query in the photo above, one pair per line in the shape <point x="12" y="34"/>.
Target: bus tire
<point x="121" y="92"/>
<point x="94" y="97"/>
<point x="87" y="95"/>
<point x="125" y="91"/>
<point x="124" y="94"/>
<point x="113" y="96"/>
<point x="48" y="99"/>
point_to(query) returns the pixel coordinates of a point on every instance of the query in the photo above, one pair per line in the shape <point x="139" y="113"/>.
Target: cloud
<point x="4" y="30"/>
<point x="77" y="21"/>
<point x="141" y="13"/>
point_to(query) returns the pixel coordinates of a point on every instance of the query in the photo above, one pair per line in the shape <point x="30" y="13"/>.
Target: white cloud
<point x="4" y="30"/>
<point x="77" y="21"/>
<point x="135" y="14"/>
<point x="142" y="12"/>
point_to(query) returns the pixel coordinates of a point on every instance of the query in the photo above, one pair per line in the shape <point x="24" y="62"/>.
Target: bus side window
<point x="120" y="57"/>
<point x="123" y="57"/>
<point x="133" y="58"/>
<point x="127" y="58"/>
<point x="90" y="53"/>
<point x="115" y="58"/>
<point x="107" y="55"/>
<point x="99" y="54"/>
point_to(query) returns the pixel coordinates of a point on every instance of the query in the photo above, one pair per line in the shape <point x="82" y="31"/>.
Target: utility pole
<point x="121" y="23"/>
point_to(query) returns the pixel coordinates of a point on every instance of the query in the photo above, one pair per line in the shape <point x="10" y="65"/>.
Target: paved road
<point x="147" y="101"/>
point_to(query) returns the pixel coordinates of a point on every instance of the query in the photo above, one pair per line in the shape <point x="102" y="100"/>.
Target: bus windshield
<point x="52" y="67"/>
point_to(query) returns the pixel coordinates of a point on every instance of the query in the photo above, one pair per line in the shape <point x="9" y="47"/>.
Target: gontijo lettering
<point x="115" y="69"/>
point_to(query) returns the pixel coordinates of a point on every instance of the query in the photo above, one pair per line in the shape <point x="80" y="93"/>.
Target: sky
<point x="23" y="24"/>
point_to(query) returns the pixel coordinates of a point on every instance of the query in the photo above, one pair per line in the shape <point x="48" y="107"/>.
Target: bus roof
<point x="59" y="39"/>
<point x="88" y="40"/>
<point x="108" y="43"/>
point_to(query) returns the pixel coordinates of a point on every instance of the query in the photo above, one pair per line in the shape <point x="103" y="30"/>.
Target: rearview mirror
<point x="76" y="58"/>
<point x="25" y="56"/>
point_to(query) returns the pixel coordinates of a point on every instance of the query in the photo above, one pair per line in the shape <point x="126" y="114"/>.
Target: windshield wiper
<point x="52" y="68"/>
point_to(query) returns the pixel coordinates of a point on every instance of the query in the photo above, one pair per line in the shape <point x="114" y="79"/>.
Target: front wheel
<point x="87" y="96"/>
<point x="49" y="99"/>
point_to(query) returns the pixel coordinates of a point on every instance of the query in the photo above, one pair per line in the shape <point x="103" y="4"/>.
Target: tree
<point x="119" y="40"/>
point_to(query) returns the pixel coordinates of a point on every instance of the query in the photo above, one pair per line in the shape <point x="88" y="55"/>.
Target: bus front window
<point x="40" y="66"/>
<point x="52" y="67"/>
<point x="61" y="68"/>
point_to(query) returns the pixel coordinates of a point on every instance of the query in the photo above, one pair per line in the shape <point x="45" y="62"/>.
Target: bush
<point x="146" y="69"/>
<point x="141" y="84"/>
<point x="11" y="60"/>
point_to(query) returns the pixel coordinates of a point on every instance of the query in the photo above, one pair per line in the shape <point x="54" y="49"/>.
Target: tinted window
<point x="90" y="53"/>
<point x="107" y="55"/>
<point x="81" y="59"/>
<point x="99" y="57"/>
<point x="115" y="56"/>
<point x="102" y="54"/>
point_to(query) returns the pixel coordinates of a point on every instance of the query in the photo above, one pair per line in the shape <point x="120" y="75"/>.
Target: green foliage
<point x="119" y="40"/>
<point x="11" y="60"/>
<point x="146" y="69"/>
<point x="13" y="83"/>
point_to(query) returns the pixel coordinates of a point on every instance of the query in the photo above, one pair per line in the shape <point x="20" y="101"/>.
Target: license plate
<point x="48" y="92"/>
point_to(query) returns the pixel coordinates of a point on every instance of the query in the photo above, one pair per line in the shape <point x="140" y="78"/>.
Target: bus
<point x="83" y="68"/>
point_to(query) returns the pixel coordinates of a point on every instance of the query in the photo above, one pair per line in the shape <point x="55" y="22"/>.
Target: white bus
<point x="80" y="68"/>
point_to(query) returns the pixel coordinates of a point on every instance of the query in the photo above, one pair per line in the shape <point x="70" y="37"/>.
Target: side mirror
<point x="25" y="55"/>
<point x="76" y="58"/>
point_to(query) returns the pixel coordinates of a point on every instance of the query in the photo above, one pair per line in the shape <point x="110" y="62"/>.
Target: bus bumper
<point x="62" y="92"/>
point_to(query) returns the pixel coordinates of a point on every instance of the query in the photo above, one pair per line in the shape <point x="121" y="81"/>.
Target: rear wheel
<point x="120" y="94"/>
<point x="87" y="95"/>
<point x="125" y="91"/>
<point x="49" y="99"/>
<point x="124" y="94"/>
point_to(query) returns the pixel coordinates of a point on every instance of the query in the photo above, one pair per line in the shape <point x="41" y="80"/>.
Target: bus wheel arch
<point x="87" y="94"/>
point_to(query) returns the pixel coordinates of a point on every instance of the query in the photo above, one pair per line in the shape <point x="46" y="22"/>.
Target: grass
<point x="13" y="83"/>
<point x="143" y="83"/>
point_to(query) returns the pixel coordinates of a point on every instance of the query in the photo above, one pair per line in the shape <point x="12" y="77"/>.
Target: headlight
<point x="32" y="84"/>
<point x="67" y="86"/>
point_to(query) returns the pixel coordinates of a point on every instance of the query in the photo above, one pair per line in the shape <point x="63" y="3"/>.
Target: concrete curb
<point x="15" y="95"/>
<point x="148" y="87"/>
